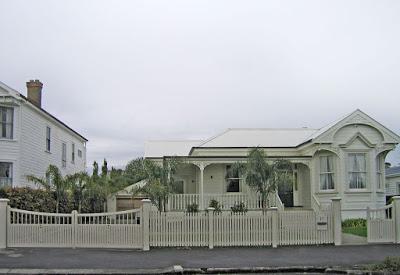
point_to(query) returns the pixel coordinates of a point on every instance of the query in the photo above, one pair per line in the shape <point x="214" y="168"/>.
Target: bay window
<point x="327" y="181"/>
<point x="357" y="171"/>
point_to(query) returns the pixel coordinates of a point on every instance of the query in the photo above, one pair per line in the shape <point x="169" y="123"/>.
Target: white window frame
<point x="379" y="173"/>
<point x="48" y="139"/>
<point x="227" y="167"/>
<point x="365" y="171"/>
<point x="79" y="153"/>
<point x="73" y="153"/>
<point x="64" y="155"/>
<point x="2" y="124"/>
<point x="332" y="172"/>
<point x="7" y="180"/>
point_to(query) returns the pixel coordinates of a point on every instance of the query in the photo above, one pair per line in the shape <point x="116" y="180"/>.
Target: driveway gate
<point x="106" y="230"/>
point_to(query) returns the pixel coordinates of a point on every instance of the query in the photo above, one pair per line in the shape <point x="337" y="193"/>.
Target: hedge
<point x="40" y="200"/>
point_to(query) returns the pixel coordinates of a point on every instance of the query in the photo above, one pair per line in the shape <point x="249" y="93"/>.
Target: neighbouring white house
<point x="31" y="139"/>
<point x="392" y="182"/>
<point x="344" y="159"/>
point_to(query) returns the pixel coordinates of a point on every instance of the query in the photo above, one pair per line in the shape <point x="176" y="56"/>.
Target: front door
<point x="179" y="186"/>
<point x="285" y="192"/>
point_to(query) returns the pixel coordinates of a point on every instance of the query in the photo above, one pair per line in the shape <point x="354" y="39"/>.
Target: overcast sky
<point x="121" y="72"/>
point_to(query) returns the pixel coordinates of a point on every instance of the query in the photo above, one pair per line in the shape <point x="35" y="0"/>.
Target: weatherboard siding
<point x="392" y="185"/>
<point x="34" y="158"/>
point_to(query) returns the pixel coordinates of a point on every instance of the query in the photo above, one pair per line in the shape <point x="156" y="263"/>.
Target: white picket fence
<point x="108" y="230"/>
<point x="178" y="229"/>
<point x="144" y="228"/>
<point x="381" y="225"/>
<point x="254" y="228"/>
<point x="248" y="229"/>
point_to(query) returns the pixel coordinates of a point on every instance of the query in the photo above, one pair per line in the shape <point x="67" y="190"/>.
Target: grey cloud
<point x="126" y="71"/>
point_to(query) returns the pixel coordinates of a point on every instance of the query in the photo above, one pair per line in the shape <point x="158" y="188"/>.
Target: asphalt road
<point x="52" y="258"/>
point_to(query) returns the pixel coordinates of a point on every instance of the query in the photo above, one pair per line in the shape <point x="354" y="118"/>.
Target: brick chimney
<point x="34" y="88"/>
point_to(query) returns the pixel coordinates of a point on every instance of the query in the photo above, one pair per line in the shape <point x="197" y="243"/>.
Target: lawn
<point x="355" y="226"/>
<point x="359" y="231"/>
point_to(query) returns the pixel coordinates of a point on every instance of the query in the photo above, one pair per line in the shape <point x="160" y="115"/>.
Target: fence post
<point x="396" y="217"/>
<point x="337" y="221"/>
<point x="210" y="213"/>
<point x="145" y="221"/>
<point x="3" y="222"/>
<point x="74" y="222"/>
<point x="368" y="223"/>
<point x="275" y="227"/>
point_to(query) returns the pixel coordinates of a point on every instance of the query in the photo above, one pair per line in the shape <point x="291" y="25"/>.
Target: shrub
<point x="216" y="205"/>
<point x="40" y="200"/>
<point x="26" y="198"/>
<point x="391" y="264"/>
<point x="239" y="208"/>
<point x="192" y="208"/>
<point x="354" y="223"/>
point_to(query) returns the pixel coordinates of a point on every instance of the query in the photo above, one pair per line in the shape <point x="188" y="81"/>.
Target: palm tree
<point x="54" y="181"/>
<point x="160" y="181"/>
<point x="262" y="176"/>
<point x="78" y="183"/>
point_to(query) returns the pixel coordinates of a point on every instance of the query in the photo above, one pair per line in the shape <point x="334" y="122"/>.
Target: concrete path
<point x="350" y="239"/>
<point x="346" y="256"/>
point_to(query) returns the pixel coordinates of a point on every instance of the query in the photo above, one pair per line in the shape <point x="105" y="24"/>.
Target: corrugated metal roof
<point x="264" y="137"/>
<point x="161" y="148"/>
<point x="395" y="170"/>
<point x="242" y="138"/>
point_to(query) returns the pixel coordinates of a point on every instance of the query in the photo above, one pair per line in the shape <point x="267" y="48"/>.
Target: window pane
<point x="357" y="180"/>
<point x="9" y="116"/>
<point x="322" y="182"/>
<point x="378" y="181"/>
<point x="8" y="131"/>
<point x="323" y="163"/>
<point x="6" y="122"/>
<point x="353" y="180"/>
<point x="233" y="185"/>
<point x="357" y="163"/>
<point x="327" y="182"/>
<point x="378" y="164"/>
<point x="5" y="174"/>
<point x="361" y="182"/>
<point x="326" y="173"/>
<point x="64" y="155"/>
<point x="73" y="152"/>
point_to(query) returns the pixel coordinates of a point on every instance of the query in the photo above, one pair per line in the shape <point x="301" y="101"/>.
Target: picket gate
<point x="381" y="225"/>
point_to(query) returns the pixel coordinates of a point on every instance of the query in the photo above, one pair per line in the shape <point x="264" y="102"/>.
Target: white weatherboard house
<point x="392" y="181"/>
<point x="31" y="139"/>
<point x="344" y="159"/>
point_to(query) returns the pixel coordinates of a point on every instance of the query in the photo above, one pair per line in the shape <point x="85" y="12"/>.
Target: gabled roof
<point x="262" y="137"/>
<point x="18" y="95"/>
<point x="357" y="115"/>
<point x="392" y="171"/>
<point x="161" y="148"/>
